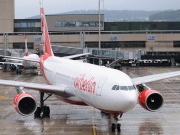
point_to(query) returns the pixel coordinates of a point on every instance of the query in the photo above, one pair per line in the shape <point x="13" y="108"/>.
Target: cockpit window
<point x="114" y="87"/>
<point x="117" y="88"/>
<point x="123" y="87"/>
<point x="131" y="87"/>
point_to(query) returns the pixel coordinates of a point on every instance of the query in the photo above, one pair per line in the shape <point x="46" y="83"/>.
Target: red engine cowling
<point x="25" y="104"/>
<point x="150" y="100"/>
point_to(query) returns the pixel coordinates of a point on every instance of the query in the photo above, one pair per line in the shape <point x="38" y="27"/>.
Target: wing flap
<point x="151" y="78"/>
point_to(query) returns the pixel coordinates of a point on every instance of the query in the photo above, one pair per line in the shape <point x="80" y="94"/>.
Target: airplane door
<point x="99" y="87"/>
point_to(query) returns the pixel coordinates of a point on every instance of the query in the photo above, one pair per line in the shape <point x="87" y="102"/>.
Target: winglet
<point x="45" y="34"/>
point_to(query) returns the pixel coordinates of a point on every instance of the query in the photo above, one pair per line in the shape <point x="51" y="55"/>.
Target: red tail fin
<point x="45" y="34"/>
<point x="26" y="48"/>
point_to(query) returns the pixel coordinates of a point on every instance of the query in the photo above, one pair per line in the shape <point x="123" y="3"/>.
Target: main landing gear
<point x="42" y="111"/>
<point x="115" y="124"/>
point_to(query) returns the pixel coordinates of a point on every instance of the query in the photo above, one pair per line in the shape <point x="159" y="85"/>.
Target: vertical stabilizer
<point x="45" y="34"/>
<point x="26" y="48"/>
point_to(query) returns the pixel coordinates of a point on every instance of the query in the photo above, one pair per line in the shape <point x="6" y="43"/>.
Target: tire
<point x="118" y="127"/>
<point x="46" y="111"/>
<point x="37" y="113"/>
<point x="113" y="127"/>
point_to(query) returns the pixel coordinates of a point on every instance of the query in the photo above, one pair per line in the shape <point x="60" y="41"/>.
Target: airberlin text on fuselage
<point x="84" y="84"/>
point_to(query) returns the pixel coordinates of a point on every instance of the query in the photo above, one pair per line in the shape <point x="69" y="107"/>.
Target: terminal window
<point x="78" y="24"/>
<point x="57" y="24"/>
<point x="23" y="25"/>
<point x="176" y="43"/>
<point x="117" y="44"/>
<point x="27" y="24"/>
<point x="22" y="45"/>
<point x="31" y="24"/>
<point x="17" y="25"/>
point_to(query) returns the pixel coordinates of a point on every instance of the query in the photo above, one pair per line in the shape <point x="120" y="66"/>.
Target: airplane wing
<point x="37" y="87"/>
<point x="20" y="64"/>
<point x="18" y="58"/>
<point x="151" y="78"/>
<point x="12" y="59"/>
<point x="75" y="56"/>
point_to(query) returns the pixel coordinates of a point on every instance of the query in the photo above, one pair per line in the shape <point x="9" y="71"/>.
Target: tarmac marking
<point x="3" y="97"/>
<point x="93" y="125"/>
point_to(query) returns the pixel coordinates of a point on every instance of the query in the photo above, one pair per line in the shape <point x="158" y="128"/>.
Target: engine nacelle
<point x="13" y="67"/>
<point x="150" y="100"/>
<point x="25" y="104"/>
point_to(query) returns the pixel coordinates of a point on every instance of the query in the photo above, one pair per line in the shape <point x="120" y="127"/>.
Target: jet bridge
<point x="112" y="57"/>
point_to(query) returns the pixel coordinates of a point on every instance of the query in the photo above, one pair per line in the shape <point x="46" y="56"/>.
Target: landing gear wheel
<point x="113" y="127"/>
<point x="46" y="112"/>
<point x="37" y="113"/>
<point x="18" y="71"/>
<point x="118" y="127"/>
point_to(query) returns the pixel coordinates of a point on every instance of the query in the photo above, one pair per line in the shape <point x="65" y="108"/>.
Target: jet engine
<point x="13" y="67"/>
<point x="150" y="100"/>
<point x="25" y="104"/>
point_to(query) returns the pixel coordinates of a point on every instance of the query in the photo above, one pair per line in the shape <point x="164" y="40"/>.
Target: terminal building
<point x="78" y="30"/>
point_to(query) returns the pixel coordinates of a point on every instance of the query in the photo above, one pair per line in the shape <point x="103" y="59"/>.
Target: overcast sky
<point x="28" y="8"/>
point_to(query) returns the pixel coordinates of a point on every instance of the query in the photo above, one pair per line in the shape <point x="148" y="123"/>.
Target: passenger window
<point x="123" y="87"/>
<point x="114" y="87"/>
<point x="117" y="88"/>
<point x="131" y="87"/>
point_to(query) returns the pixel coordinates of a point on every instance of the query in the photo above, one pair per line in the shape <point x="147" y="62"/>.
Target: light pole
<point x="99" y="35"/>
<point x="99" y="28"/>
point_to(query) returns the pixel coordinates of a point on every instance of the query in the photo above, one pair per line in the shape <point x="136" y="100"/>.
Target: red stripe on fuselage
<point x="71" y="101"/>
<point x="42" y="60"/>
<point x="111" y="112"/>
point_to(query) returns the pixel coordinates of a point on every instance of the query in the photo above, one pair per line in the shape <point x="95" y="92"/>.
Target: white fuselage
<point x="92" y="84"/>
<point x="30" y="63"/>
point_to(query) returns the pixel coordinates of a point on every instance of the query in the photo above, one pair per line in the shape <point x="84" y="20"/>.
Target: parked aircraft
<point x="16" y="64"/>
<point x="79" y="83"/>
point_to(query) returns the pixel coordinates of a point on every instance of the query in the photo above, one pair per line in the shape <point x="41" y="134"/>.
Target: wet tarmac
<point x="66" y="119"/>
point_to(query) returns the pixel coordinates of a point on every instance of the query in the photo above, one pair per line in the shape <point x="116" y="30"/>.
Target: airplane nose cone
<point x="130" y="101"/>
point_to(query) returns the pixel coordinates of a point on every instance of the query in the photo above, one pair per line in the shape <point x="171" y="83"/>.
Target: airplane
<point x="16" y="64"/>
<point x="78" y="83"/>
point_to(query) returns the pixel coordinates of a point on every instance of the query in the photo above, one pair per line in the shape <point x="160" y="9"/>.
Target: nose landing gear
<point x="115" y="124"/>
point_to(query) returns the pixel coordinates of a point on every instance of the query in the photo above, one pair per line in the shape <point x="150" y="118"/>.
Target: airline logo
<point x="46" y="40"/>
<point x="88" y="85"/>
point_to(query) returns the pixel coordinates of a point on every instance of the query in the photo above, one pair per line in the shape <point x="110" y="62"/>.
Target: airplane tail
<point x="45" y="35"/>
<point x="26" y="48"/>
